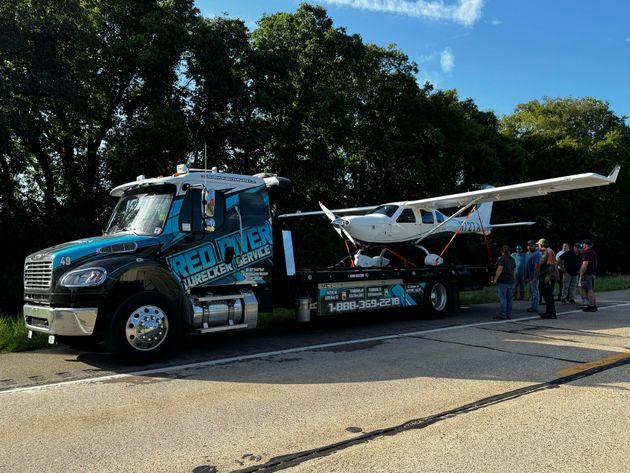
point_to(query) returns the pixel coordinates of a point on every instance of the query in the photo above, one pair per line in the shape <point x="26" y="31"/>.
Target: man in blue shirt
<point x="531" y="278"/>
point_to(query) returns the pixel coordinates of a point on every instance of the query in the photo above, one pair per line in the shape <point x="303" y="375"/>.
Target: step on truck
<point x="195" y="252"/>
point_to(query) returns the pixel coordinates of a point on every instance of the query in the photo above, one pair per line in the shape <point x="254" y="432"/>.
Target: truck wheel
<point x="436" y="301"/>
<point x="143" y="328"/>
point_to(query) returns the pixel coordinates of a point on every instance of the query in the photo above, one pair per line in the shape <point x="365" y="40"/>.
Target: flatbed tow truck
<point x="196" y="252"/>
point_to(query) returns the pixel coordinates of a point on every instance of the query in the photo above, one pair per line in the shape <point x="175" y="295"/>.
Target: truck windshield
<point x="143" y="213"/>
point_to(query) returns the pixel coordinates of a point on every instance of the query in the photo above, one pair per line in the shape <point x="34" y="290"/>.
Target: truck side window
<point x="406" y="216"/>
<point x="190" y="214"/>
<point x="427" y="217"/>
<point x="254" y="210"/>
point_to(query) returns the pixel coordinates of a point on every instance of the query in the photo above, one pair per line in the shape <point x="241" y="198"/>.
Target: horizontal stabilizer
<point x="514" y="224"/>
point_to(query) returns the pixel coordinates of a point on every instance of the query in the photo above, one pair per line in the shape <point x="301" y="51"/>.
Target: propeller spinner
<point x="338" y="224"/>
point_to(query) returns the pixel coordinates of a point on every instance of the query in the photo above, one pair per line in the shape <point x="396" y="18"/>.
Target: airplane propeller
<point x="338" y="224"/>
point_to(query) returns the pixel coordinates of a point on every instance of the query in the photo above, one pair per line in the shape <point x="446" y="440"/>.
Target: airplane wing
<point x="352" y="210"/>
<point x="491" y="194"/>
<point x="517" y="191"/>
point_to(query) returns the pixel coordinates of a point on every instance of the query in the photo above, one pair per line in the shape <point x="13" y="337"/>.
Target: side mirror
<point x="209" y="204"/>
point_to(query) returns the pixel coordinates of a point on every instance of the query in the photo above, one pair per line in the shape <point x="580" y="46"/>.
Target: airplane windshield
<point x="142" y="213"/>
<point x="388" y="210"/>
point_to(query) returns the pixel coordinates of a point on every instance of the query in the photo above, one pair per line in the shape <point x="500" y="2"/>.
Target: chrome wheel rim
<point x="147" y="327"/>
<point x="438" y="297"/>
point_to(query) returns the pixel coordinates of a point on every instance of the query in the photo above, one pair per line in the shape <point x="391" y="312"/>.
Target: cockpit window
<point x="427" y="216"/>
<point x="143" y="212"/>
<point x="440" y="216"/>
<point x="406" y="216"/>
<point x="388" y="210"/>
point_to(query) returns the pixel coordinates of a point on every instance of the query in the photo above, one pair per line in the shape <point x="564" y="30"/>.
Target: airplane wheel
<point x="436" y="299"/>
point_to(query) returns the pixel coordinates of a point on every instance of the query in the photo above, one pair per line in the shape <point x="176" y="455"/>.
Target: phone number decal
<point x="362" y="304"/>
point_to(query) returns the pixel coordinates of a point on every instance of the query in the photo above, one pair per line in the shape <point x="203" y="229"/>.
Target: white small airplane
<point x="415" y="220"/>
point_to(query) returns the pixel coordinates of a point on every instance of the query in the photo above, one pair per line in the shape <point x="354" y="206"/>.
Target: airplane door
<point x="406" y="226"/>
<point x="428" y="221"/>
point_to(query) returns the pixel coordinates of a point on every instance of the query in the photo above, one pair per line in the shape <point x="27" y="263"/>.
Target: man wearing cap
<point x="587" y="274"/>
<point x="519" y="281"/>
<point x="546" y="270"/>
<point x="529" y="273"/>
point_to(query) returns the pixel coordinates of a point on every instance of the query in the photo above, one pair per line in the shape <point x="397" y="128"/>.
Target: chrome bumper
<point x="55" y="321"/>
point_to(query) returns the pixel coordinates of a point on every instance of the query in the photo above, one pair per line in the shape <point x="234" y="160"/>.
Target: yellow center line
<point x="596" y="363"/>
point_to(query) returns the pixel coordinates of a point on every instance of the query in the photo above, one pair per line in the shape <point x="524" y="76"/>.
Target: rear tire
<point x="436" y="299"/>
<point x="143" y="328"/>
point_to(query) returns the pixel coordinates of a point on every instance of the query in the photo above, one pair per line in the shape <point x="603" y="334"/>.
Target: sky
<point x="497" y="52"/>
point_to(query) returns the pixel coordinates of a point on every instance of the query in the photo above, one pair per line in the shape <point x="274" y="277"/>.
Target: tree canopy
<point x="95" y="92"/>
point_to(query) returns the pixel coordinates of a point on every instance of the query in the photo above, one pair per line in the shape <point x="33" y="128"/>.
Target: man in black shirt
<point x="588" y="271"/>
<point x="569" y="262"/>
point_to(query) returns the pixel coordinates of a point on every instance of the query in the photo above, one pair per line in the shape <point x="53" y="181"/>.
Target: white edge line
<point x="222" y="361"/>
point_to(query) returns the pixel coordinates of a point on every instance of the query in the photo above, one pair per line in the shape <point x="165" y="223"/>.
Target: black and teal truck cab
<point x="195" y="253"/>
<point x="188" y="252"/>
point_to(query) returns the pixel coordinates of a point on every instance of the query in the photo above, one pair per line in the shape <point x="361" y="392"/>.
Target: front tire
<point x="144" y="328"/>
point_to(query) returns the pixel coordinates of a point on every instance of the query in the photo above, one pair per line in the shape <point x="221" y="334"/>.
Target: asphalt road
<point x="375" y="393"/>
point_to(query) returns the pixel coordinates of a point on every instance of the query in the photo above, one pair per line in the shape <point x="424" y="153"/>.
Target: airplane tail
<point x="483" y="213"/>
<point x="484" y="210"/>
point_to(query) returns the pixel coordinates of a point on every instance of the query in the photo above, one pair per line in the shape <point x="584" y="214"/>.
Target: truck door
<point x="229" y="244"/>
<point x="193" y="257"/>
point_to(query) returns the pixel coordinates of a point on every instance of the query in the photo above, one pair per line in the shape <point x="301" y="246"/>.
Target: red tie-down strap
<point x="454" y="235"/>
<point x="349" y="253"/>
<point x="485" y="238"/>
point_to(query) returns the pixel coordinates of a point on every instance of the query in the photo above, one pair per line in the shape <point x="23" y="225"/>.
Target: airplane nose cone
<point x="340" y="222"/>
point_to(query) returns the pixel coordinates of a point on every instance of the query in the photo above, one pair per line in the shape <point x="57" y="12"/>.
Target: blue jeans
<point x="505" y="299"/>
<point x="534" y="295"/>
<point x="519" y="286"/>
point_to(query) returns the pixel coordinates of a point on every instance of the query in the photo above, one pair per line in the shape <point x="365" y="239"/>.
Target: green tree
<point x="566" y="136"/>
<point x="89" y="95"/>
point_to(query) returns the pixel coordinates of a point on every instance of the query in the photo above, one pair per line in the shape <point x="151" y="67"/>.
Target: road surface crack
<point x="287" y="461"/>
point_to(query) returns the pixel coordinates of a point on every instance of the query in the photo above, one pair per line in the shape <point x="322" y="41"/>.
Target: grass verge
<point x="489" y="294"/>
<point x="276" y="318"/>
<point x="13" y="335"/>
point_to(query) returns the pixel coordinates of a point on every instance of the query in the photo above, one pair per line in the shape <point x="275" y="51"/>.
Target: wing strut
<point x="437" y="227"/>
<point x="455" y="234"/>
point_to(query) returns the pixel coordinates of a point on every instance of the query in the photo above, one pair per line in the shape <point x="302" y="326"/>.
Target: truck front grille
<point x="36" y="298"/>
<point x="37" y="274"/>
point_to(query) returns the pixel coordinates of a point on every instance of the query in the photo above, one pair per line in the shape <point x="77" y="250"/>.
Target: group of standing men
<point x="539" y="268"/>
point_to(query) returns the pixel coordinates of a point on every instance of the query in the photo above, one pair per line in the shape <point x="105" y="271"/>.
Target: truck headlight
<point x="84" y="277"/>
